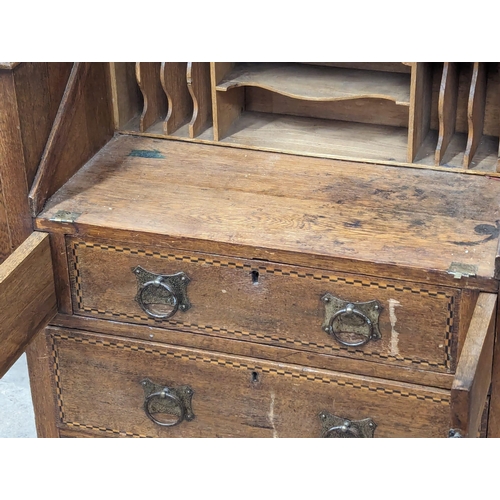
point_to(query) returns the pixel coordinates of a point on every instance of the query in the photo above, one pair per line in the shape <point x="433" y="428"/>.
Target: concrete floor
<point x="17" y="419"/>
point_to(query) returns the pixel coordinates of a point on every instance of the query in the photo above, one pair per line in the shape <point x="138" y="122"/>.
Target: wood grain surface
<point x="473" y="376"/>
<point x="27" y="296"/>
<point x="268" y="303"/>
<point x="15" y="220"/>
<point x="318" y="83"/>
<point x="239" y="346"/>
<point x="98" y="388"/>
<point x="286" y="209"/>
<point x="83" y="125"/>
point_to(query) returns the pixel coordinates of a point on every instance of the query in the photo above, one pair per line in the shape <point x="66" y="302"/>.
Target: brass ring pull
<point x="349" y="309"/>
<point x="352" y="324"/>
<point x="165" y="393"/>
<point x="173" y="401"/>
<point x="160" y="296"/>
<point x="158" y="282"/>
<point x="339" y="427"/>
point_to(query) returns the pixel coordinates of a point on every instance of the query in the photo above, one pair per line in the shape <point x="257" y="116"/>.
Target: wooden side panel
<point x="227" y="106"/>
<point x="27" y="295"/>
<point x="82" y="126"/>
<point x="99" y="390"/>
<point x="420" y="107"/>
<point x="126" y="95"/>
<point x="473" y="375"/>
<point x="39" y="90"/>
<point x="15" y="220"/>
<point x="41" y="373"/>
<point x="494" y="413"/>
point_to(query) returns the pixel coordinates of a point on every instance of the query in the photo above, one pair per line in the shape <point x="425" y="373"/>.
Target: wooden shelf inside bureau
<point x="304" y="211"/>
<point x="318" y="83"/>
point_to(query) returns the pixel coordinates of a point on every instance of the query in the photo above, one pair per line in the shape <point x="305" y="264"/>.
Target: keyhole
<point x="255" y="277"/>
<point x="255" y="377"/>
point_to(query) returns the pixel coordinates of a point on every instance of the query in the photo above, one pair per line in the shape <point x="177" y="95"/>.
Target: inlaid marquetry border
<point x="269" y="269"/>
<point x="209" y="358"/>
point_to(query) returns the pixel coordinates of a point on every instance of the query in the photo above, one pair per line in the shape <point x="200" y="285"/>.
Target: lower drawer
<point x="108" y="385"/>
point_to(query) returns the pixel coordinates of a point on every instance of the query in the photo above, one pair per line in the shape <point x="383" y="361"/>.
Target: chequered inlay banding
<point x="269" y="269"/>
<point x="209" y="359"/>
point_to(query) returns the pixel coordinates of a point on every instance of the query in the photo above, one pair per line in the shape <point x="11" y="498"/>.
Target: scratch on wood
<point x="393" y="303"/>
<point x="270" y="415"/>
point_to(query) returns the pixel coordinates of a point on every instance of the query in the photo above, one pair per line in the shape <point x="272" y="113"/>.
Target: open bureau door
<point x="27" y="297"/>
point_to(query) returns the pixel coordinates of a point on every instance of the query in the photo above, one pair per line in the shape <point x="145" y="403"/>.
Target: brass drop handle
<point x="351" y="324"/>
<point x="339" y="427"/>
<point x="172" y="401"/>
<point x="160" y="296"/>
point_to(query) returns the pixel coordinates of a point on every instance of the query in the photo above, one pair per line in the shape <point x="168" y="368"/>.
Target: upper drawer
<point x="269" y="303"/>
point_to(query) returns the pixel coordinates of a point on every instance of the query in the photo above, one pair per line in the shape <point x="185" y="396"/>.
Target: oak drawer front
<point x="270" y="303"/>
<point x="100" y="390"/>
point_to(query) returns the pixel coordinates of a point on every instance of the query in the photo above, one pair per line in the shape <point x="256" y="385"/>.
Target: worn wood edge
<point x="41" y="381"/>
<point x="354" y="159"/>
<point x="9" y="65"/>
<point x="253" y="349"/>
<point x="17" y="258"/>
<point x="286" y="257"/>
<point x="371" y="95"/>
<point x="32" y="309"/>
<point x="236" y="82"/>
<point x="473" y="374"/>
<point x="494" y="407"/>
<point x="61" y="272"/>
<point x="57" y="137"/>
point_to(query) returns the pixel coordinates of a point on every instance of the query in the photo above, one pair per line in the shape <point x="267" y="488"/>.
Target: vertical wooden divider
<point x="475" y="111"/>
<point x="420" y="107"/>
<point x="180" y="105"/>
<point x="198" y="81"/>
<point x="155" y="101"/>
<point x="447" y="108"/>
<point x="126" y="95"/>
<point x="227" y="106"/>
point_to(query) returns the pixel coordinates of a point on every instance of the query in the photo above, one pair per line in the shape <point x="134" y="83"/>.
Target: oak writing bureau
<point x="259" y="250"/>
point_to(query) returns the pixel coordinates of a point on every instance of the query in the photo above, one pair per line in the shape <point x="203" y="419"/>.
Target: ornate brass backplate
<point x="338" y="427"/>
<point x="175" y="402"/>
<point x="161" y="295"/>
<point x="351" y="323"/>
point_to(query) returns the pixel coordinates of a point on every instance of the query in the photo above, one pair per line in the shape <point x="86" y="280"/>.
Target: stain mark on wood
<point x="354" y="223"/>
<point x="146" y="153"/>
<point x="490" y="230"/>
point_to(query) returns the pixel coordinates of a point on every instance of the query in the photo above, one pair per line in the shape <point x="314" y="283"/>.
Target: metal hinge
<point x="459" y="270"/>
<point x="65" y="216"/>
